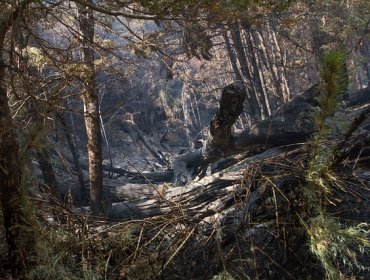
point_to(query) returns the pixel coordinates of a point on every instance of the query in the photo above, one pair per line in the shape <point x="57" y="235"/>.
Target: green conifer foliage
<point x="330" y="241"/>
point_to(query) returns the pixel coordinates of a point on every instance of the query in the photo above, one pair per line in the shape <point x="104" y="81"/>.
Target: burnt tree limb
<point x="201" y="199"/>
<point x="293" y="123"/>
<point x="220" y="138"/>
<point x="137" y="177"/>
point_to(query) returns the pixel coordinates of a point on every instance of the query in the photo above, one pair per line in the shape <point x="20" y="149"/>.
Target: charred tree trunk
<point x="187" y="118"/>
<point x="291" y="124"/>
<point x="18" y="223"/>
<point x="277" y="57"/>
<point x="47" y="170"/>
<point x="252" y="108"/>
<point x="76" y="156"/>
<point x="220" y="139"/>
<point x="91" y="110"/>
<point x="257" y="75"/>
<point x="275" y="96"/>
<point x="245" y="69"/>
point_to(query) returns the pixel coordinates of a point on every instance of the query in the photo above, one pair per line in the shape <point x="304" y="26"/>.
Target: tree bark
<point x="220" y="139"/>
<point x="293" y="123"/>
<point x="76" y="156"/>
<point x="91" y="110"/>
<point x="253" y="109"/>
<point x="18" y="220"/>
<point x="47" y="170"/>
<point x="253" y="89"/>
<point x="257" y="75"/>
<point x="203" y="198"/>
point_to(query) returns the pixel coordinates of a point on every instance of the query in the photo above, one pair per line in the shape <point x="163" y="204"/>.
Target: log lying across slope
<point x="293" y="123"/>
<point x="203" y="197"/>
<point x="277" y="135"/>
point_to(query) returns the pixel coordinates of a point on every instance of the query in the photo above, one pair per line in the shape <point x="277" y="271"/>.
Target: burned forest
<point x="184" y="139"/>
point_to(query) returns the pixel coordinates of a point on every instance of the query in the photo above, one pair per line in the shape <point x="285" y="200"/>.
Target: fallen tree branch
<point x="293" y="123"/>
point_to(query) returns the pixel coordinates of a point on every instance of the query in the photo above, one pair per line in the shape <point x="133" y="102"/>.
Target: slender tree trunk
<point x="47" y="170"/>
<point x="365" y="52"/>
<point x="232" y="58"/>
<point x="278" y="59"/>
<point x="274" y="86"/>
<point x="76" y="156"/>
<point x="18" y="220"/>
<point x="188" y="123"/>
<point x="259" y="59"/>
<point x="257" y="76"/>
<point x="252" y="108"/>
<point x="244" y="66"/>
<point x="268" y="50"/>
<point x="91" y="110"/>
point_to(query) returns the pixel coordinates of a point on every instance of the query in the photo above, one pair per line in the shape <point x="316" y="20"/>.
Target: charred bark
<point x="220" y="139"/>
<point x="47" y="170"/>
<point x="76" y="156"/>
<point x="253" y="108"/>
<point x="253" y="89"/>
<point x="293" y="123"/>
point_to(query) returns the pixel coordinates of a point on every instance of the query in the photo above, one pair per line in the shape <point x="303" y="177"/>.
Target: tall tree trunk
<point x="91" y="110"/>
<point x="265" y="60"/>
<point x="253" y="109"/>
<point x="279" y="60"/>
<point x="257" y="76"/>
<point x="188" y="123"/>
<point x="268" y="48"/>
<point x="365" y="52"/>
<point x="75" y="154"/>
<point x="18" y="220"/>
<point x="43" y="157"/>
<point x="253" y="89"/>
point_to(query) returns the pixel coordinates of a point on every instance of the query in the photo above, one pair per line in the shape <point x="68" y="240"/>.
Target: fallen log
<point x="204" y="197"/>
<point x="137" y="177"/>
<point x="293" y="123"/>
